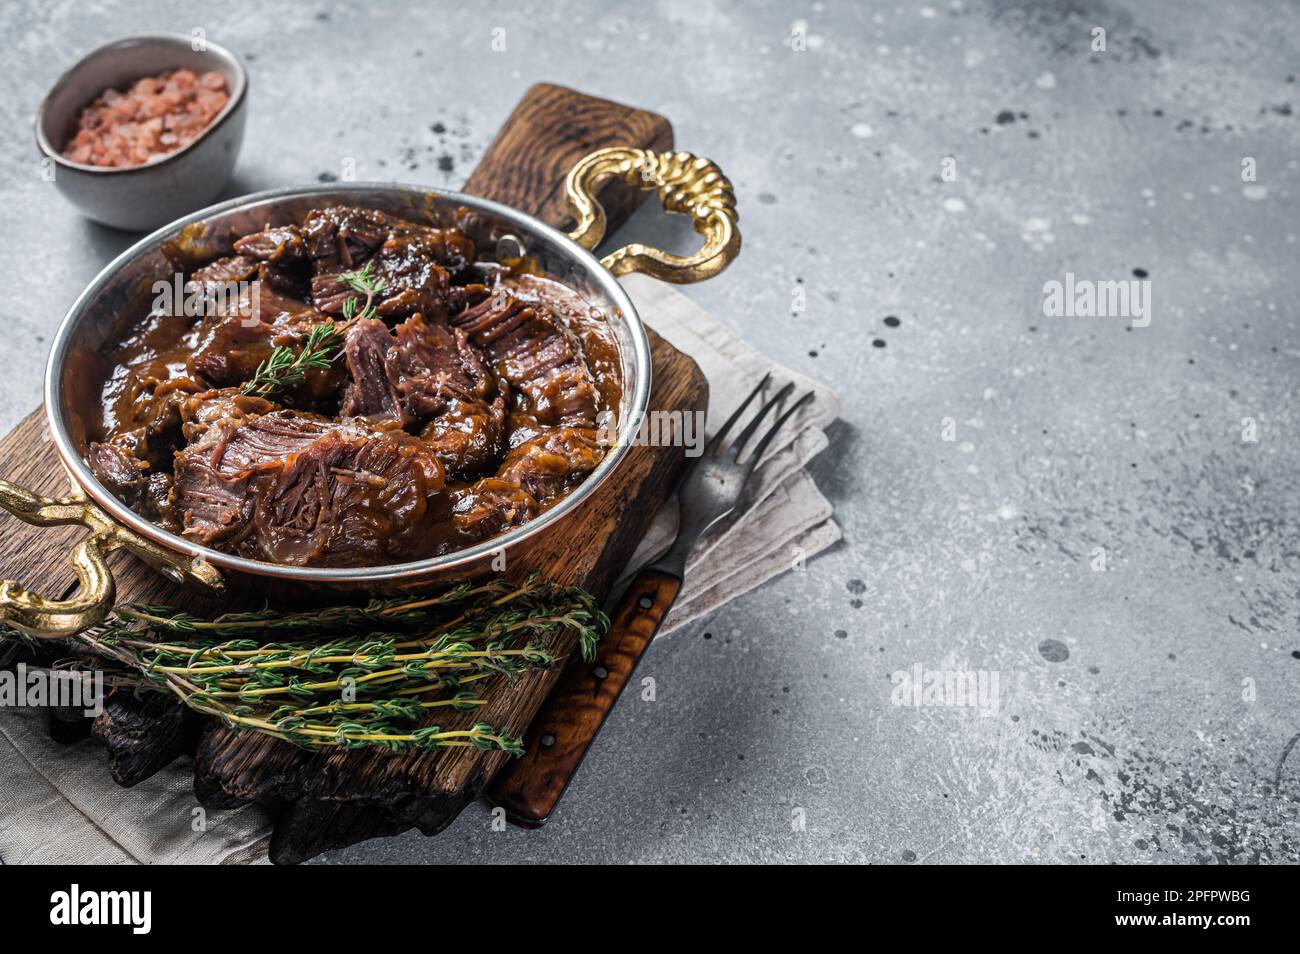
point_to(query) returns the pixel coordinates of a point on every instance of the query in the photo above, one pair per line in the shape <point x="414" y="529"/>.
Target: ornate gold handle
<point x="687" y="184"/>
<point x="91" y="604"/>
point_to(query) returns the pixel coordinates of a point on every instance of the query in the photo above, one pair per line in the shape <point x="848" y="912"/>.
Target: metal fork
<point x="712" y="488"/>
<point x="715" y="483"/>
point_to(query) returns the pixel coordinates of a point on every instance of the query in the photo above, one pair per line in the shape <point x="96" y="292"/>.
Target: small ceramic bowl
<point x="143" y="197"/>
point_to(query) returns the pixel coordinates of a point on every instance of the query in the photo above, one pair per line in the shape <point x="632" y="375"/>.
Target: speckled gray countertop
<point x="1072" y="504"/>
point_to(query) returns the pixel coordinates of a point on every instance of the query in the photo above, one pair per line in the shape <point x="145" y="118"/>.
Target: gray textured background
<point x="1071" y="435"/>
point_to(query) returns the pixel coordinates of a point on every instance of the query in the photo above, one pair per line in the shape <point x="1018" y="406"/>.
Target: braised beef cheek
<point x="451" y="402"/>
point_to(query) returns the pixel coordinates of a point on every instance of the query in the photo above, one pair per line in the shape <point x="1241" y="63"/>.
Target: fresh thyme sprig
<point x="363" y="282"/>
<point x="285" y="367"/>
<point x="371" y="673"/>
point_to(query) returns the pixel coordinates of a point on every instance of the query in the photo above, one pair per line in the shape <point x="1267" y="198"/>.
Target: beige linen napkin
<point x="58" y="804"/>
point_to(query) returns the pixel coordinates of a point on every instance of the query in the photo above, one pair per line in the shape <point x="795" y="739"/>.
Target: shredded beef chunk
<point x="225" y="271"/>
<point x="212" y="493"/>
<point x="230" y="347"/>
<point x="120" y="471"/>
<point x="424" y="373"/>
<point x="415" y="263"/>
<point x="461" y="404"/>
<point x="491" y="506"/>
<point x="538" y="355"/>
<point x="552" y="463"/>
<point x="468" y="432"/>
<point x="283" y="265"/>
<point x="339" y="238"/>
<point x="198" y="412"/>
<point x="371" y="394"/>
<point x="128" y="478"/>
<point x="553" y="424"/>
<point x="293" y="489"/>
<point x="276" y="245"/>
<point x="412" y="282"/>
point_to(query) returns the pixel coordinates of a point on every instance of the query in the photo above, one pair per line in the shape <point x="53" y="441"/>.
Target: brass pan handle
<point x="686" y="183"/>
<point x="90" y="605"/>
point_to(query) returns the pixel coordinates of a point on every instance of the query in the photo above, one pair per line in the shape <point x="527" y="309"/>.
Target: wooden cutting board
<point x="324" y="801"/>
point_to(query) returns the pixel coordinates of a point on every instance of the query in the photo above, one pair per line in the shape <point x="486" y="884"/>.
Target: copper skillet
<point x="686" y="184"/>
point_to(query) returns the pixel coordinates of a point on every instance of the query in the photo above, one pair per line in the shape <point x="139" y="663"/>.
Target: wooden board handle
<point x="550" y="130"/>
<point x="564" y="728"/>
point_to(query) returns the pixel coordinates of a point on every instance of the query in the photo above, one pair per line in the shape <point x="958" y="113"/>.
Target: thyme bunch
<point x="352" y="676"/>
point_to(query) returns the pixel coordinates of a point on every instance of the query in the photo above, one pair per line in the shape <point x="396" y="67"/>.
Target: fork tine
<point x="767" y="438"/>
<point x="749" y="430"/>
<point x="716" y="443"/>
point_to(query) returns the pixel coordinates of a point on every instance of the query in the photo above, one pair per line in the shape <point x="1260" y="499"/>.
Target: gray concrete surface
<point x="1146" y="709"/>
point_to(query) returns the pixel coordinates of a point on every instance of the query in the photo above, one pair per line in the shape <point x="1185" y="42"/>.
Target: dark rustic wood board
<point x="330" y="800"/>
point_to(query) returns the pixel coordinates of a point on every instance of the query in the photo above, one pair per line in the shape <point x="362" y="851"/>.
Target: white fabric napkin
<point x="58" y="804"/>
